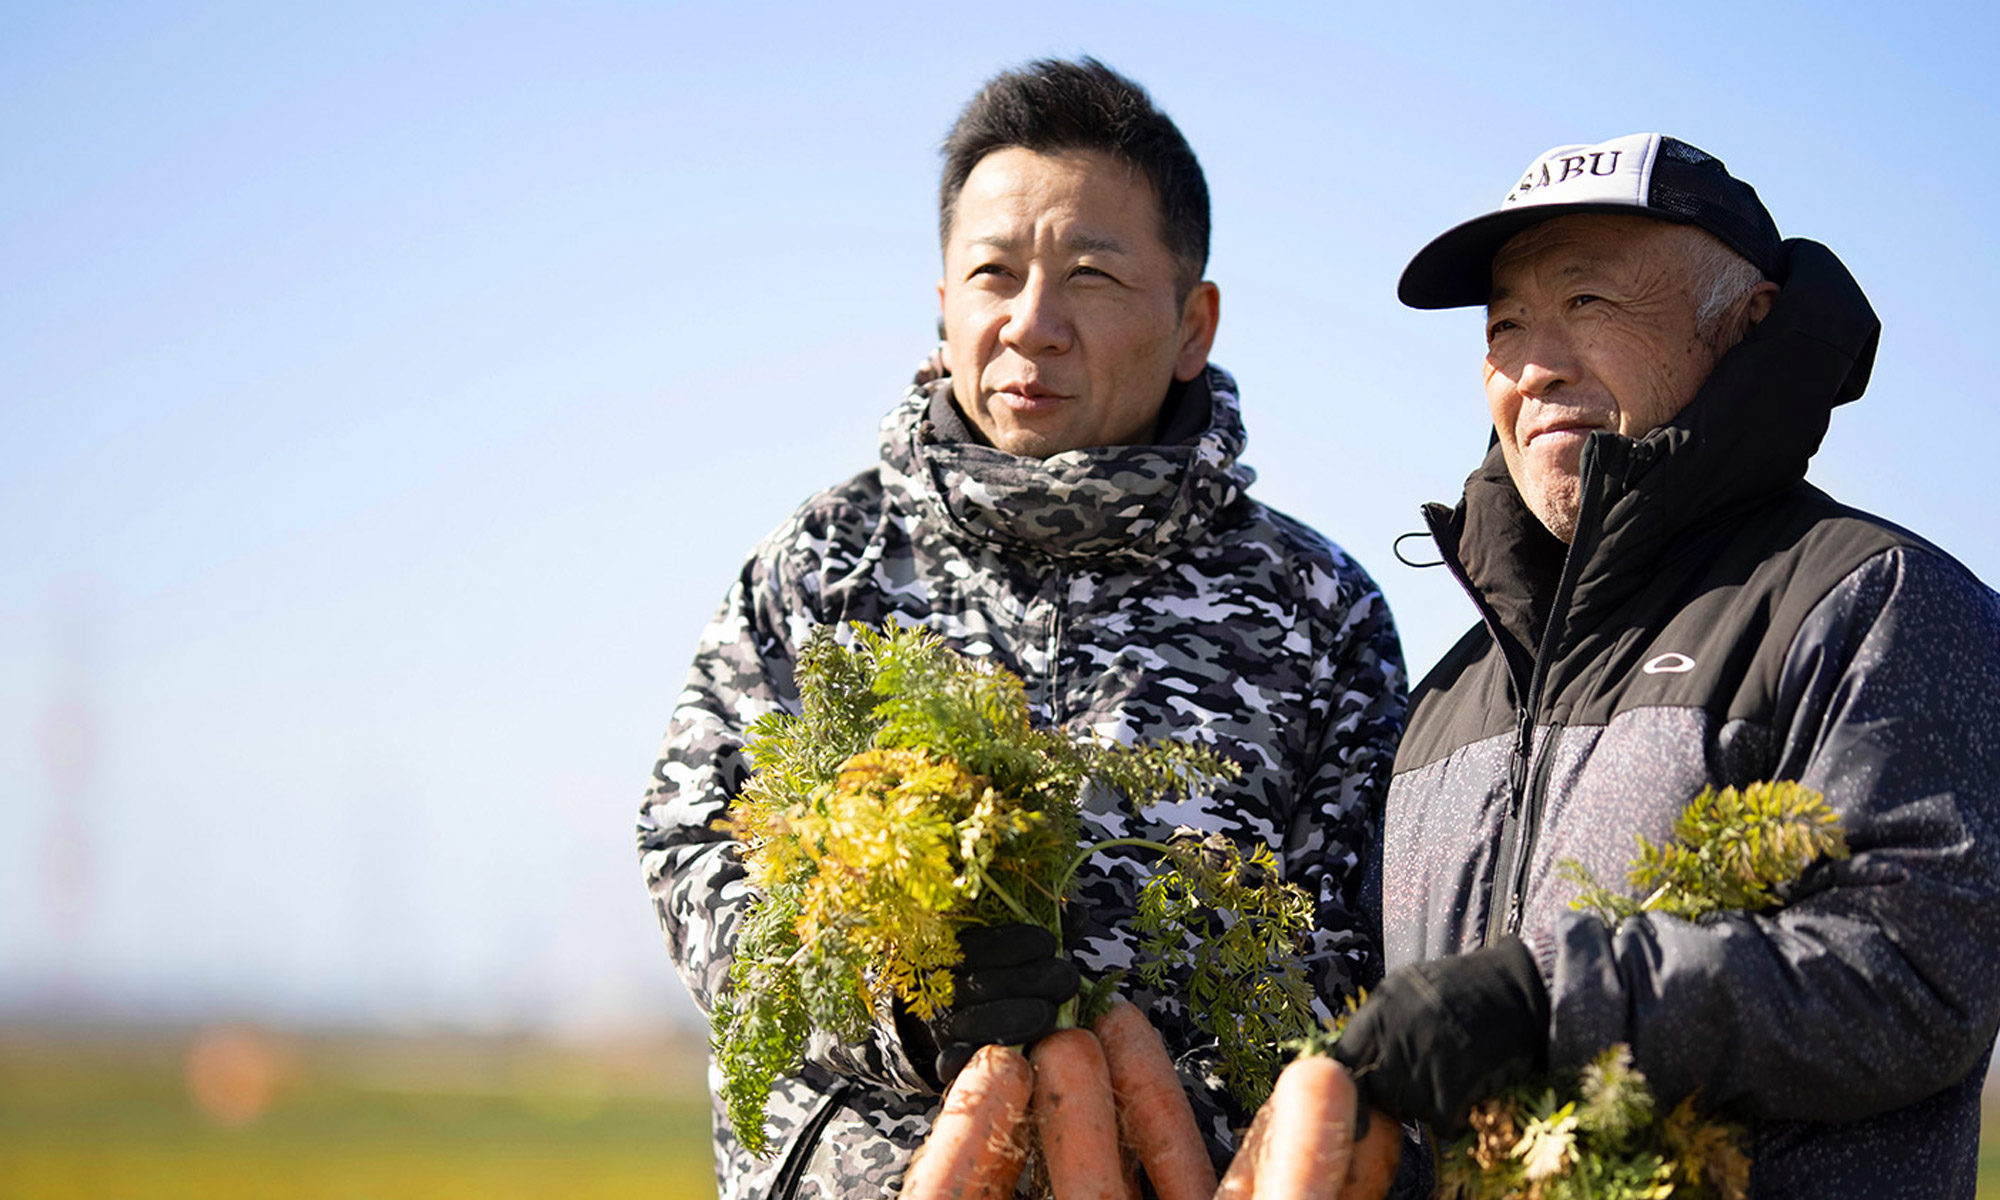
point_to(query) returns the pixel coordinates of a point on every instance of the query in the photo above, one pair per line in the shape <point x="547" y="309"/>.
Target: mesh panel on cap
<point x="1680" y="151"/>
<point x="1698" y="189"/>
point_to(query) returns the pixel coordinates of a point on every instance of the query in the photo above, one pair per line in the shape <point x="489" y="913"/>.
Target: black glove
<point x="1005" y="993"/>
<point x="1435" y="1037"/>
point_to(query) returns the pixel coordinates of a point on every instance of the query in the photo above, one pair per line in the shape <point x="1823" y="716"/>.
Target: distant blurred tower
<point x="67" y="737"/>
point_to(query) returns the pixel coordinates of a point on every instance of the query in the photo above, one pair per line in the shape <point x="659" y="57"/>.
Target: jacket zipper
<point x="1056" y="586"/>
<point x="1510" y="853"/>
<point x="1517" y="835"/>
<point x="1502" y="921"/>
<point x="1531" y="787"/>
<point x="1527" y="774"/>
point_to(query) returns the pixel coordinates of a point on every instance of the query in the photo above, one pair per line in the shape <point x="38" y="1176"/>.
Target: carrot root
<point x="978" y="1142"/>
<point x="1240" y="1181"/>
<point x="1372" y="1168"/>
<point x="1153" y="1110"/>
<point x="1077" y="1118"/>
<point x="1302" y="1141"/>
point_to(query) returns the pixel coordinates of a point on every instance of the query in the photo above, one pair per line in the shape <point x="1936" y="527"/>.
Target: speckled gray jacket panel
<point x="1718" y="636"/>
<point x="1140" y="594"/>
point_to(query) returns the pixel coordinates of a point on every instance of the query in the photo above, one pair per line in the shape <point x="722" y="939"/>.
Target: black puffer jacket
<point x="1720" y="621"/>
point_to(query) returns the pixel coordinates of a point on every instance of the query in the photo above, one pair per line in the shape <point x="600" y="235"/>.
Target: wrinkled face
<point x="1592" y="325"/>
<point x="1063" y="322"/>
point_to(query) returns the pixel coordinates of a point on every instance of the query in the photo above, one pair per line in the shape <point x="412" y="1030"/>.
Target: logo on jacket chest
<point x="1673" y="662"/>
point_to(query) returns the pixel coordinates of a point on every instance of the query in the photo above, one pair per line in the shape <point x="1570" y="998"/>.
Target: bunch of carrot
<point x="1092" y="1095"/>
<point x="1078" y="1091"/>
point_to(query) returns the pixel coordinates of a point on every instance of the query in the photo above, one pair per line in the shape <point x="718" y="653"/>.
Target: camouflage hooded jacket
<point x="1139" y="593"/>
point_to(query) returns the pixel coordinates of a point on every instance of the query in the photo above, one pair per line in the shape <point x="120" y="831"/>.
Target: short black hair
<point x="1054" y="104"/>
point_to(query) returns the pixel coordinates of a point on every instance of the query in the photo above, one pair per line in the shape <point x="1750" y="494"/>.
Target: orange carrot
<point x="1153" y="1111"/>
<point x="1239" y="1182"/>
<point x="1077" y="1118"/>
<point x="978" y="1142"/>
<point x="1302" y="1140"/>
<point x="1373" y="1166"/>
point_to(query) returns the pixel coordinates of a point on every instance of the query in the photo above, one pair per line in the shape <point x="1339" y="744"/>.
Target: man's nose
<point x="1038" y="320"/>
<point x="1550" y="363"/>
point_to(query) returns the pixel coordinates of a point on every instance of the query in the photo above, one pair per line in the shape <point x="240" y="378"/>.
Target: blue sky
<point x="388" y="392"/>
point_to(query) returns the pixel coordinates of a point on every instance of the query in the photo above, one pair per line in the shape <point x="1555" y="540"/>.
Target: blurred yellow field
<point x="236" y="1114"/>
<point x="242" y="1115"/>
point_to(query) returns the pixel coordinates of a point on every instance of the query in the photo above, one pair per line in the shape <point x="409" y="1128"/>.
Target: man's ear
<point x="1199" y="314"/>
<point x="1759" y="306"/>
<point x="944" y="348"/>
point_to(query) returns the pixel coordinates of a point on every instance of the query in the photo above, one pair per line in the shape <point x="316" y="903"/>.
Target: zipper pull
<point x="1524" y="744"/>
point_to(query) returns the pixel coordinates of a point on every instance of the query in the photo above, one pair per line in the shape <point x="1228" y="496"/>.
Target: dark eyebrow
<point x="1082" y="243"/>
<point x="1498" y="294"/>
<point x="1089" y="243"/>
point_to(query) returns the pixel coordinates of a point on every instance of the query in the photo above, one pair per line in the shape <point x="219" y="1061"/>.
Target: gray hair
<point x="1720" y="277"/>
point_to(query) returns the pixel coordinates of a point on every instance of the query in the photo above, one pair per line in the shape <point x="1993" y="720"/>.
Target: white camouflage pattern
<point x="1141" y="594"/>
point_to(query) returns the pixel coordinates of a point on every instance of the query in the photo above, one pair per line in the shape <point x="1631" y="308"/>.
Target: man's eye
<point x="1499" y="327"/>
<point x="1090" y="272"/>
<point x="1586" y="298"/>
<point x="996" y="269"/>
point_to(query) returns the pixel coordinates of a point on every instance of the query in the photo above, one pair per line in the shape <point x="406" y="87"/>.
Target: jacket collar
<point x="1106" y="502"/>
<point x="1747" y="435"/>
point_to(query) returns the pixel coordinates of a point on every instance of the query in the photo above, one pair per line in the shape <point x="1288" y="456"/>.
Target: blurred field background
<point x="240" y="1113"/>
<point x="389" y="392"/>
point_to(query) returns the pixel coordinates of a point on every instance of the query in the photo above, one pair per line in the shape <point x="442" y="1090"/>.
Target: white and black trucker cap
<point x="1640" y="174"/>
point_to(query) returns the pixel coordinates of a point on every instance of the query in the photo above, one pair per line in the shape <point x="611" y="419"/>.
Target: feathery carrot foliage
<point x="912" y="796"/>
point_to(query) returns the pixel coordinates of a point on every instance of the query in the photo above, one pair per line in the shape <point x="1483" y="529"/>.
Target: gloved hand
<point x="1006" y="993"/>
<point x="1436" y="1037"/>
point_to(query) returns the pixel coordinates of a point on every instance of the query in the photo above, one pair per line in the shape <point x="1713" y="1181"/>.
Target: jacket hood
<point x="1748" y="434"/>
<point x="1103" y="502"/>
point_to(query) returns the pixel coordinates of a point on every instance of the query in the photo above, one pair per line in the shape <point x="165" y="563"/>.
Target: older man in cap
<point x="1666" y="604"/>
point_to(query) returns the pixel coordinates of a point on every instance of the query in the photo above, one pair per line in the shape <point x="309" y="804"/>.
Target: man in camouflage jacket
<point x="1123" y="573"/>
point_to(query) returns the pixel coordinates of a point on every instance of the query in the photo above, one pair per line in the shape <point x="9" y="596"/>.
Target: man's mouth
<point x="1028" y="397"/>
<point x="1563" y="430"/>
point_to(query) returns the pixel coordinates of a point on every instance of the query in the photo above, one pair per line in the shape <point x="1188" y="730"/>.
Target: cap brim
<point x="1456" y="269"/>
